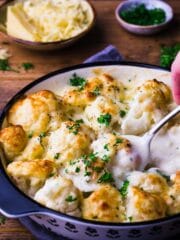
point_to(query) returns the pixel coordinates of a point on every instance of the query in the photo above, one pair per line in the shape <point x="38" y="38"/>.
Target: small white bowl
<point x="150" y="4"/>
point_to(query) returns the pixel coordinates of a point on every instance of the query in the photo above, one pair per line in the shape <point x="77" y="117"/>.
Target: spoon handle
<point x="163" y="121"/>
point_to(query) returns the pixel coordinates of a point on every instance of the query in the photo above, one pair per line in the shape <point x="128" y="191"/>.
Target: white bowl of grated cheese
<point x="46" y="25"/>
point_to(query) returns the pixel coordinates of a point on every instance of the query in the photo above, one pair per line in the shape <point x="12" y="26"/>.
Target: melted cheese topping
<point x="69" y="153"/>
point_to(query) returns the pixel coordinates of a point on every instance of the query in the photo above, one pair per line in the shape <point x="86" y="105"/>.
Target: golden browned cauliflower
<point x="143" y="206"/>
<point x="13" y="140"/>
<point x="148" y="106"/>
<point x="59" y="194"/>
<point x="34" y="112"/>
<point x="48" y="97"/>
<point x="31" y="114"/>
<point x="53" y="104"/>
<point x="149" y="182"/>
<point x="174" y="194"/>
<point x="103" y="84"/>
<point x="69" y="142"/>
<point x="30" y="175"/>
<point x="33" y="150"/>
<point x="104" y="204"/>
<point x="85" y="172"/>
<point x="102" y="114"/>
<point x="118" y="153"/>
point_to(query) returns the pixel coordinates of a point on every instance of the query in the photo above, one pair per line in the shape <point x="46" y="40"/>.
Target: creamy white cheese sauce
<point x="164" y="150"/>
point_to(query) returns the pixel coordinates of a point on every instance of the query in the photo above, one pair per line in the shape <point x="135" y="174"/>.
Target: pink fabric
<point x="175" y="69"/>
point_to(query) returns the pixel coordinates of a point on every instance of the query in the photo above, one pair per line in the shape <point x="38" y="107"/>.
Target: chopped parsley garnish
<point x="5" y="66"/>
<point x="2" y="220"/>
<point x="122" y="113"/>
<point x="77" y="81"/>
<point x="140" y="15"/>
<point x="106" y="147"/>
<point x="30" y="135"/>
<point x="41" y="136"/>
<point x="56" y="156"/>
<point x="168" y="54"/>
<point x="51" y="175"/>
<point x="106" y="177"/>
<point x="72" y="162"/>
<point x="124" y="188"/>
<point x="79" y="121"/>
<point x="104" y="119"/>
<point x="77" y="170"/>
<point x="96" y="91"/>
<point x="98" y="169"/>
<point x="27" y="65"/>
<point x="87" y="163"/>
<point x="88" y="160"/>
<point x="106" y="158"/>
<point x="74" y="128"/>
<point x="71" y="199"/>
<point x="130" y="218"/>
<point x="87" y="173"/>
<point x="92" y="156"/>
<point x="119" y="140"/>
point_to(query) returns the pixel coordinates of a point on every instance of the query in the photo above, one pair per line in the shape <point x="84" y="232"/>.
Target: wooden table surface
<point x="107" y="31"/>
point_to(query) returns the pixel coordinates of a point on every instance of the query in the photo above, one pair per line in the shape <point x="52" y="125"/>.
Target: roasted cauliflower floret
<point x="13" y="140"/>
<point x="30" y="175"/>
<point x="85" y="172"/>
<point x="143" y="206"/>
<point x="174" y="194"/>
<point x="31" y="114"/>
<point x="33" y="150"/>
<point x="47" y="97"/>
<point x="104" y="204"/>
<point x="59" y="194"/>
<point x="149" y="182"/>
<point x="53" y="105"/>
<point x="69" y="142"/>
<point x="103" y="84"/>
<point x="111" y="87"/>
<point x="147" y="107"/>
<point x="102" y="114"/>
<point x="34" y="112"/>
<point x="118" y="153"/>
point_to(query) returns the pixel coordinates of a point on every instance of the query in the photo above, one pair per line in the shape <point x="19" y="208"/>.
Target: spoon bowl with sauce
<point x="142" y="143"/>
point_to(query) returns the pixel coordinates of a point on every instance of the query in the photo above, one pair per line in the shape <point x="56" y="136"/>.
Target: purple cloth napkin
<point x="110" y="53"/>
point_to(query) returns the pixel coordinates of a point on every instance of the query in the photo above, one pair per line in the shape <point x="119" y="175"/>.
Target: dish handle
<point x="15" y="204"/>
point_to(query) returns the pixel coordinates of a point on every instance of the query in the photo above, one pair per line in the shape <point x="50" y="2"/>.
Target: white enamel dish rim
<point x="40" y="209"/>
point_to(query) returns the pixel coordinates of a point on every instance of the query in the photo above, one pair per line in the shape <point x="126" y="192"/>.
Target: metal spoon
<point x="142" y="143"/>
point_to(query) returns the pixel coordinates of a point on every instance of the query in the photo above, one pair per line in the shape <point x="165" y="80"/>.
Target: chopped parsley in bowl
<point x="144" y="17"/>
<point x="141" y="15"/>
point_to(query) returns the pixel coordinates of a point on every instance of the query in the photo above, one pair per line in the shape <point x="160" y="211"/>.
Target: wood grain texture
<point x="107" y="31"/>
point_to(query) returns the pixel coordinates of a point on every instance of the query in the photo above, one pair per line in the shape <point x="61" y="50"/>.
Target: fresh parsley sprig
<point x="77" y="81"/>
<point x="124" y="189"/>
<point x="105" y="119"/>
<point x="168" y="54"/>
<point x="27" y="66"/>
